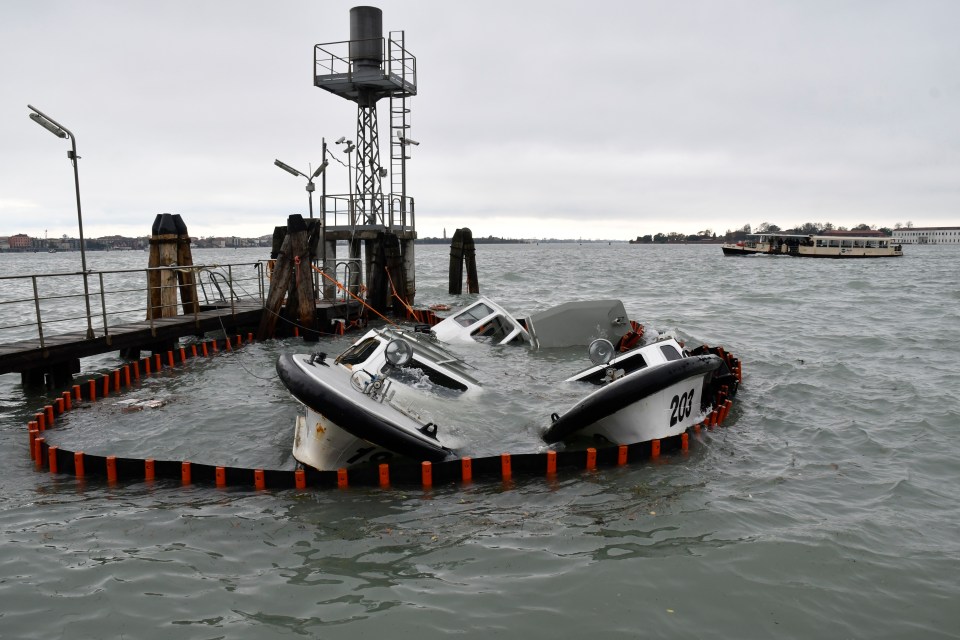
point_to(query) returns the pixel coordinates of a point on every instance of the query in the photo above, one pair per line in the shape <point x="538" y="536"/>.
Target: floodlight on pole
<point x="61" y="131"/>
<point x="310" y="187"/>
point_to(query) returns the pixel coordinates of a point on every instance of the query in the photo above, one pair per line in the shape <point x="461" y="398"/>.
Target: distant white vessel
<point x="816" y="246"/>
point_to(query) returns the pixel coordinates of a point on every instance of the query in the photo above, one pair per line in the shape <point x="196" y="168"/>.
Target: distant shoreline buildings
<point x="928" y="235"/>
<point x="22" y="243"/>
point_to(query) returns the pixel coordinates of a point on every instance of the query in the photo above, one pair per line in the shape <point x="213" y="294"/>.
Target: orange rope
<point x="348" y="292"/>
<point x="410" y="309"/>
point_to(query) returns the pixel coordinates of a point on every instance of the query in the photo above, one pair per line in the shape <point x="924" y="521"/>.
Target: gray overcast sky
<point x="537" y="119"/>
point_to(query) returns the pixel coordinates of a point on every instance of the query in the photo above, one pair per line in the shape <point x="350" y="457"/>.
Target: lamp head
<point x="320" y="169"/>
<point x="49" y="126"/>
<point x="287" y="168"/>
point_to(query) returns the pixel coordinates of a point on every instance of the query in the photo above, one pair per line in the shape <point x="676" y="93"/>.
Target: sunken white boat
<point x="648" y="393"/>
<point x="398" y="393"/>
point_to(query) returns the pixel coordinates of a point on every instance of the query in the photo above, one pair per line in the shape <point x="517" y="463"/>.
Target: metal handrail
<point x="55" y="308"/>
<point x="398" y="212"/>
<point x="395" y="60"/>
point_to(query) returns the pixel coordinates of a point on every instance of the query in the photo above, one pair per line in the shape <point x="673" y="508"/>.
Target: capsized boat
<point x="652" y="392"/>
<point x="398" y="392"/>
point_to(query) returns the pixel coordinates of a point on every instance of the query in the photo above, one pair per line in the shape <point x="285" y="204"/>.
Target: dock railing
<point x="398" y="212"/>
<point x="41" y="305"/>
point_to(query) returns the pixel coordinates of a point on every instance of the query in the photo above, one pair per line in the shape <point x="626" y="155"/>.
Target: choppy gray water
<point x="826" y="508"/>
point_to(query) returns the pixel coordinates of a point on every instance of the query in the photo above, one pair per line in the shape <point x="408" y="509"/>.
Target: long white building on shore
<point x="928" y="235"/>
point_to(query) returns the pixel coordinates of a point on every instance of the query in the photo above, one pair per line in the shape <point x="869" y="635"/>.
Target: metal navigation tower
<point x="365" y="69"/>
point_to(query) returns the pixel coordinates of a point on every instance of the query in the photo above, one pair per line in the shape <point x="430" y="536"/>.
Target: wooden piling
<point x="293" y="279"/>
<point x="463" y="250"/>
<point x="170" y="247"/>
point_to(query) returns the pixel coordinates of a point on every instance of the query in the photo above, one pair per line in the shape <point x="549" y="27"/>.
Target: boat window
<point x="494" y="330"/>
<point x="436" y="377"/>
<point x="846" y="243"/>
<point x="359" y="352"/>
<point x="474" y="313"/>
<point x="670" y="352"/>
<point x="633" y="362"/>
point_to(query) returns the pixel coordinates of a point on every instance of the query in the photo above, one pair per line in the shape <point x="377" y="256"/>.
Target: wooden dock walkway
<point x="59" y="355"/>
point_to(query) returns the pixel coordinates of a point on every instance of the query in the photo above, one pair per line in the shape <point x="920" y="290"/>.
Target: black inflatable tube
<point x="629" y="389"/>
<point x="355" y="419"/>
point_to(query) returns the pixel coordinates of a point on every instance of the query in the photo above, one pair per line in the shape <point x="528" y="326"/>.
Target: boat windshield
<point x="473" y="314"/>
<point x="359" y="352"/>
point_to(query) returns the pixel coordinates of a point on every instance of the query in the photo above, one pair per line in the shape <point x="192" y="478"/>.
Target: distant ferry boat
<point x="816" y="246"/>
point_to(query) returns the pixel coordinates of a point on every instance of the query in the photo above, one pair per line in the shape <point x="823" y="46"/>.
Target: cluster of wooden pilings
<point x="170" y="247"/>
<point x="298" y="289"/>
<point x="463" y="251"/>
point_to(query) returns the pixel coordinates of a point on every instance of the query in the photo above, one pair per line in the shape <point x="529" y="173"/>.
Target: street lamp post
<point x="60" y="131"/>
<point x="348" y="149"/>
<point x="310" y="187"/>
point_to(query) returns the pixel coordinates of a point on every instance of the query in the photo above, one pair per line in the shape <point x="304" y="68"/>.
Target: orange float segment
<point x="684" y="441"/>
<point x="505" y="466"/>
<point x="622" y="455"/>
<point x="259" y="481"/>
<point x="654" y="449"/>
<point x="78" y="469"/>
<point x="149" y="470"/>
<point x="384" y="475"/>
<point x="466" y="468"/>
<point x="52" y="458"/>
<point x="185" y="473"/>
<point x="342" y="478"/>
<point x="38" y="450"/>
<point x="591" y="459"/>
<point x="220" y="476"/>
<point x="34" y="434"/>
<point x="551" y="462"/>
<point x="111" y="468"/>
<point x="426" y="473"/>
<point x="300" y="478"/>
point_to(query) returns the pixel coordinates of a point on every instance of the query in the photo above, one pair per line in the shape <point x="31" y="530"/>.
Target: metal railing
<point x="39" y="305"/>
<point x="398" y="213"/>
<point x="332" y="59"/>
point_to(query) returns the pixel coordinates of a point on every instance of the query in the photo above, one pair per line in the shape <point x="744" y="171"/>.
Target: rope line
<point x="358" y="298"/>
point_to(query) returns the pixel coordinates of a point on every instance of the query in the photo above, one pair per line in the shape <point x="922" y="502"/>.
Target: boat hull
<point x="651" y="403"/>
<point x="344" y="426"/>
